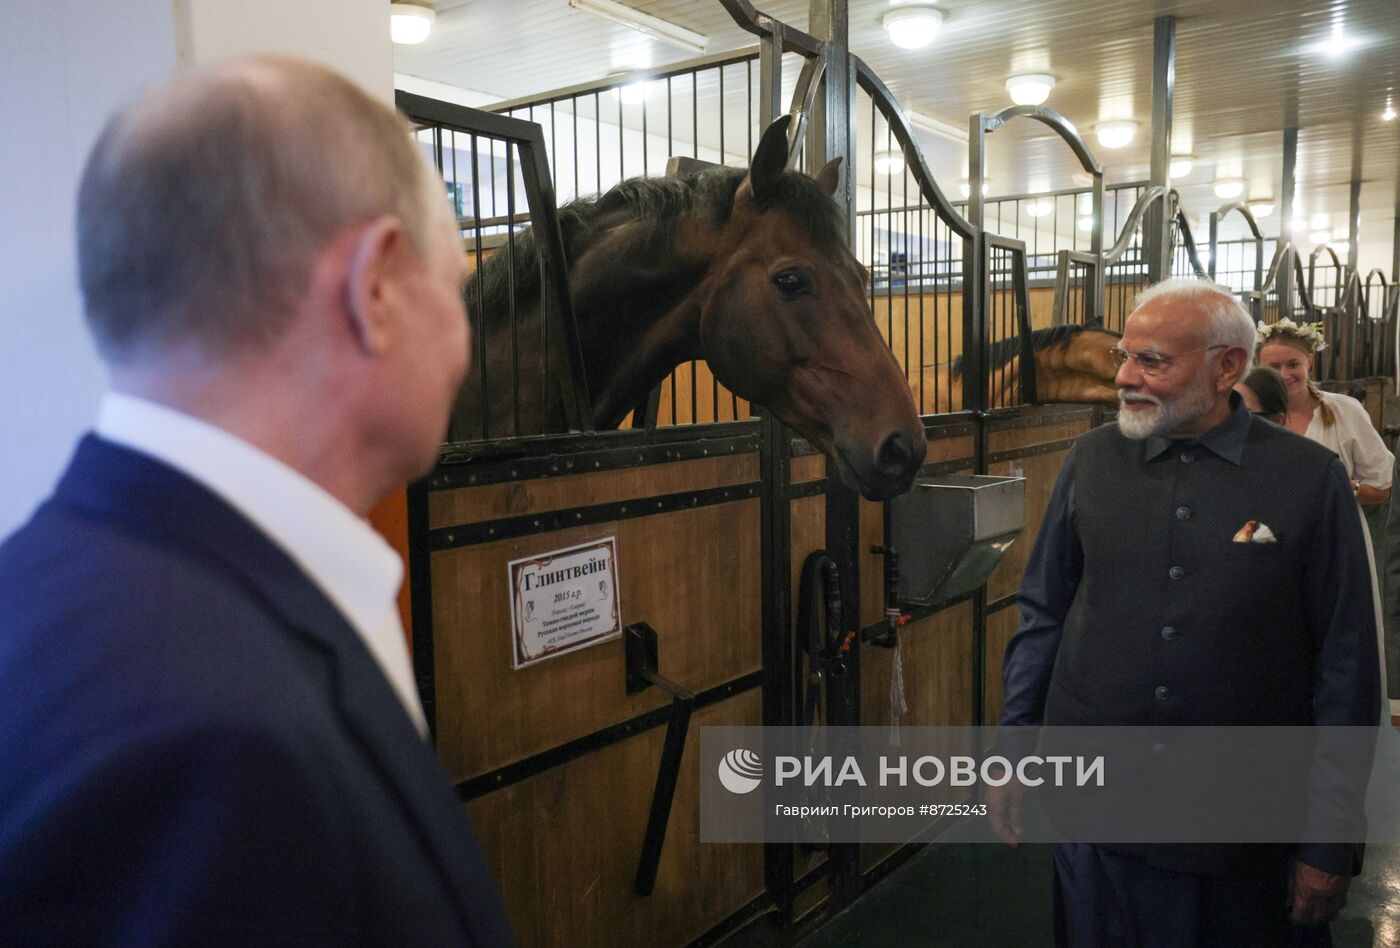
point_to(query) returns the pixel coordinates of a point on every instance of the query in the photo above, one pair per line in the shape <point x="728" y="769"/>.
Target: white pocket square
<point x="1255" y="532"/>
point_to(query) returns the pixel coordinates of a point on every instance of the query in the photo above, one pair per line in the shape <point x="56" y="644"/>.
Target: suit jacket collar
<point x="148" y="496"/>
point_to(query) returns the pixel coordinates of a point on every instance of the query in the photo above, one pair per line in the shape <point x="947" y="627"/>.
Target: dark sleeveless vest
<point x="1174" y="623"/>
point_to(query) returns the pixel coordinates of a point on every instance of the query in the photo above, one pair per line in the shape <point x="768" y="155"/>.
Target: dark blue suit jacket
<point x="196" y="748"/>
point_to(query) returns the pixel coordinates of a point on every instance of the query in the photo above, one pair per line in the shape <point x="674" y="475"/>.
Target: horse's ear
<point x="830" y="176"/>
<point x="769" y="160"/>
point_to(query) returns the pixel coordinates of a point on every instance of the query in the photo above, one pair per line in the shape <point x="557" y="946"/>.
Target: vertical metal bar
<point x="1214" y="243"/>
<point x="482" y="367"/>
<point x="1354" y="221"/>
<point x="1156" y="227"/>
<point x="598" y="142"/>
<point x="775" y="536"/>
<point x="1285" y="272"/>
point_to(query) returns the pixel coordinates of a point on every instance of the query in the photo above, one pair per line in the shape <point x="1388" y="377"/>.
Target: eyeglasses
<point x="1152" y="363"/>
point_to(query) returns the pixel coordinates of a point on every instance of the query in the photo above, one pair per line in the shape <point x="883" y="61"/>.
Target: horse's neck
<point x="638" y="318"/>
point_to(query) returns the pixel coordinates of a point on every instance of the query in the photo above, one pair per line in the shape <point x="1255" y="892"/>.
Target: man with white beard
<point x="1196" y="566"/>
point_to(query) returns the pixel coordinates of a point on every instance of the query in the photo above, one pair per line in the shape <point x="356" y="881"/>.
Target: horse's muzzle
<point x="888" y="471"/>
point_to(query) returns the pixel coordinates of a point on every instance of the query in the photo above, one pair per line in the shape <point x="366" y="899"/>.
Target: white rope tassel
<point x="898" y="706"/>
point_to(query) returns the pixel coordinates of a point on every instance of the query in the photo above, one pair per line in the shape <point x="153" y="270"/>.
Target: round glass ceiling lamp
<point x="1181" y="165"/>
<point x="889" y="162"/>
<point x="1117" y="133"/>
<point x="1031" y="88"/>
<point x="1261" y="209"/>
<point x="1227" y="189"/>
<point x="913" y="27"/>
<point x="409" y="23"/>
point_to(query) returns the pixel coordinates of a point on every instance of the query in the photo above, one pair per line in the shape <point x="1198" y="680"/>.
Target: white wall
<point x="63" y="74"/>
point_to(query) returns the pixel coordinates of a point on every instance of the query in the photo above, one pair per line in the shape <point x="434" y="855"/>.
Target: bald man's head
<point x="204" y="204"/>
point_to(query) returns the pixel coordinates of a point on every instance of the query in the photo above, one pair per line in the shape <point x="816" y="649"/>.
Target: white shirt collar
<point x="346" y="559"/>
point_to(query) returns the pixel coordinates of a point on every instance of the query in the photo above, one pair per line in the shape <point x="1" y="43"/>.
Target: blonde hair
<point x="1305" y="346"/>
<point x="203" y="206"/>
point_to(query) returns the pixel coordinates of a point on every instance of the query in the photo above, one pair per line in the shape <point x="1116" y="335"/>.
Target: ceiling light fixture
<point x="410" y="23"/>
<point x="1389" y="114"/>
<point x="1117" y="133"/>
<point x="1261" y="209"/>
<point x="1227" y="189"/>
<point x="1338" y="44"/>
<point x="1031" y="88"/>
<point x="1181" y="165"/>
<point x="644" y="23"/>
<point x="889" y="162"/>
<point x="913" y="27"/>
<point x="1040" y="208"/>
<point x="632" y="93"/>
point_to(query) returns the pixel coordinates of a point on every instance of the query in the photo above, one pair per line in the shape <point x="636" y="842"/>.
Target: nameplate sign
<point x="564" y="601"/>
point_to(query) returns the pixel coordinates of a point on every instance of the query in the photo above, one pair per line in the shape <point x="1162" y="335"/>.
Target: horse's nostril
<point x="895" y="454"/>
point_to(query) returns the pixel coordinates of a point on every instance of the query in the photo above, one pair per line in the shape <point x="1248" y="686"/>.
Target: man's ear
<point x="1232" y="365"/>
<point x="377" y="259"/>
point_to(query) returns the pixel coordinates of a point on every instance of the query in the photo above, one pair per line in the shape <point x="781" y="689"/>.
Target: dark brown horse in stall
<point x="1072" y="364"/>
<point x="746" y="270"/>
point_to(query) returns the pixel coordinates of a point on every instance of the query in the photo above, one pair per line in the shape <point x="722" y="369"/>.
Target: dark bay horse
<point x="1072" y="364"/>
<point x="746" y="270"/>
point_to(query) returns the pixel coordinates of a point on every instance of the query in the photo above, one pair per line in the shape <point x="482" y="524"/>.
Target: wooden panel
<point x="1001" y="626"/>
<point x="809" y="467"/>
<point x="564" y="846"/>
<point x="693" y="574"/>
<point x="1040" y="472"/>
<point x="936" y="653"/>
<point x="390" y="518"/>
<point x="539" y="495"/>
<point x="1010" y="439"/>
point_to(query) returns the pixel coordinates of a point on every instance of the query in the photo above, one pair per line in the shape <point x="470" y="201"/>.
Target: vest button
<point x="1187" y="457"/>
<point x="1161" y="692"/>
<point x="1168" y="633"/>
<point x="1176" y="572"/>
<point x="1183" y="513"/>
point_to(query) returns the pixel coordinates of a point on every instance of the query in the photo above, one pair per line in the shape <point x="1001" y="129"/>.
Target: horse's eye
<point x="790" y="283"/>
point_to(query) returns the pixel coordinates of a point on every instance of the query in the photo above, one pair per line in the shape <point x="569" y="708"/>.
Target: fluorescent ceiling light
<point x="1040" y="208"/>
<point x="889" y="162"/>
<point x="1117" y="133"/>
<point x="1181" y="165"/>
<point x="645" y="23"/>
<point x="410" y="23"/>
<point x="936" y="126"/>
<point x="1336" y="45"/>
<point x="912" y="27"/>
<point x="1086" y="222"/>
<point x="1261" y="209"/>
<point x="1389" y="114"/>
<point x="1030" y="89"/>
<point x="1320" y="236"/>
<point x="1227" y="189"/>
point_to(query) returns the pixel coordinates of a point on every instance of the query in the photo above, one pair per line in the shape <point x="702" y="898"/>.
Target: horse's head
<point x="1082" y="370"/>
<point x="784" y="322"/>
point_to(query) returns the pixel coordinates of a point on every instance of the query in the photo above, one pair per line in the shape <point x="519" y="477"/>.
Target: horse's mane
<point x="1004" y="350"/>
<point x="660" y="202"/>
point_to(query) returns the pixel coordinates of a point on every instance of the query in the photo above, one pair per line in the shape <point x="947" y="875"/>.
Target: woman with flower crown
<point x="1337" y="421"/>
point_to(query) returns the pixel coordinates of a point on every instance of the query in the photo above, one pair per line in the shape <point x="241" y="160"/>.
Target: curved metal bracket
<point x="904" y="135"/>
<point x="1062" y="126"/>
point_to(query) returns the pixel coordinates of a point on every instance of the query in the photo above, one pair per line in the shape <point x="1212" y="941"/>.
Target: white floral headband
<point x="1310" y="333"/>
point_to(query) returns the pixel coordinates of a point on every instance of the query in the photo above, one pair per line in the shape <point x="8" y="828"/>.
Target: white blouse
<point x="1354" y="439"/>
